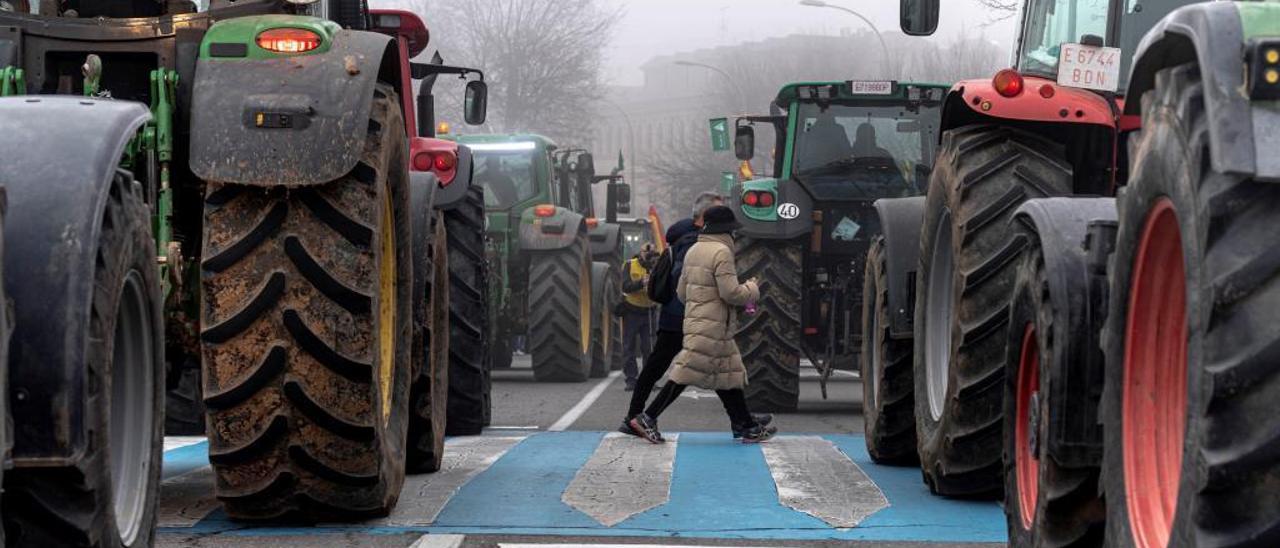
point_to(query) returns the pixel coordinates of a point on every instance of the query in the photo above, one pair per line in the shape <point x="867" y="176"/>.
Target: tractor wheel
<point x="108" y="498"/>
<point x="184" y="404"/>
<point x="468" y="316"/>
<point x="429" y="393"/>
<point x="6" y="329"/>
<point x="560" y="313"/>
<point x="500" y="356"/>
<point x="967" y="268"/>
<point x="1192" y="340"/>
<point x="604" y="325"/>
<point x="887" y="405"/>
<point x="1047" y="503"/>
<point x="770" y="340"/>
<point x="307" y="336"/>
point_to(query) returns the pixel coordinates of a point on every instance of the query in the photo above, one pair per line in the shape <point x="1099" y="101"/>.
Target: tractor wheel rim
<point x="877" y="339"/>
<point x="1154" y="397"/>
<point x="386" y="308"/>
<point x="584" y="306"/>
<point x="132" y="419"/>
<point x="941" y="295"/>
<point x="1026" y="462"/>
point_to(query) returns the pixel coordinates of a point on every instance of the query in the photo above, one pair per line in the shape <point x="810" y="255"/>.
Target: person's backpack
<point x="661" y="287"/>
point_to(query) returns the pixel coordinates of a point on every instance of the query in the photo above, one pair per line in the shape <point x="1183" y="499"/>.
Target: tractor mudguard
<point x="606" y="241"/>
<point x="1244" y="135"/>
<point x="547" y="233"/>
<point x="769" y="223"/>
<point x="1061" y="226"/>
<point x="56" y="202"/>
<point x="900" y="223"/>
<point x="289" y="120"/>
<point x="452" y="194"/>
<point x="978" y="98"/>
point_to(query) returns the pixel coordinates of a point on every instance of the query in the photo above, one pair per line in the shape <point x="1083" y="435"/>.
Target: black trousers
<point x="665" y="347"/>
<point x="734" y="401"/>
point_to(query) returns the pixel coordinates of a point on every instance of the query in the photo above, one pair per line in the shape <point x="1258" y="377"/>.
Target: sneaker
<point x="630" y="387"/>
<point x="762" y="419"/>
<point x="646" y="428"/>
<point x="759" y="434"/>
<point x="625" y="428"/>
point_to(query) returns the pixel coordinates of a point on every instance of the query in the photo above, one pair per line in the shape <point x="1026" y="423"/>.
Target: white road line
<point x="624" y="477"/>
<point x="574" y="413"/>
<point x="816" y="478"/>
<point x="186" y="499"/>
<point x="438" y="541"/>
<point x="563" y="545"/>
<point x="425" y="495"/>
<point x="178" y="442"/>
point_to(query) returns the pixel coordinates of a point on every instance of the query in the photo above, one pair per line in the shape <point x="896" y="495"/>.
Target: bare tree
<point x="1001" y="9"/>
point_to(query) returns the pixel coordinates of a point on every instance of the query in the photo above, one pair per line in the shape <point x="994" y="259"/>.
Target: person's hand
<point x="753" y="280"/>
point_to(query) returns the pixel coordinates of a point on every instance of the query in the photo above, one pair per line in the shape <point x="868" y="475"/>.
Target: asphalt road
<point x="550" y="471"/>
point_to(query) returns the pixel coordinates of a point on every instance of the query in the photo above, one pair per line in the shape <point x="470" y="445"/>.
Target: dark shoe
<point x="759" y="434"/>
<point x="646" y="428"/>
<point x="625" y="428"/>
<point x="631" y="387"/>
<point x="762" y="419"/>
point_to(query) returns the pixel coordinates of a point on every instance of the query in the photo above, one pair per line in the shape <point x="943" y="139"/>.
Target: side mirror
<point x="586" y="166"/>
<point x="476" y="103"/>
<point x="918" y="17"/>
<point x="744" y="142"/>
<point x="623" y="195"/>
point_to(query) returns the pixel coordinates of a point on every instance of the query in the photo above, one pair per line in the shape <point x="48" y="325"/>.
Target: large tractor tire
<point x="968" y="262"/>
<point x="1192" y="340"/>
<point x="502" y="353"/>
<point x="184" y="404"/>
<point x="6" y="329"/>
<point x="888" y="407"/>
<point x="605" y="327"/>
<point x="108" y="497"/>
<point x="429" y="392"/>
<point x="468" y="316"/>
<point x="560" y="313"/>
<point x="307" y="336"/>
<point x="770" y="339"/>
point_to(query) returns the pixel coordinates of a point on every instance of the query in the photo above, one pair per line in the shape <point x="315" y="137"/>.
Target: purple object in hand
<point x="751" y="308"/>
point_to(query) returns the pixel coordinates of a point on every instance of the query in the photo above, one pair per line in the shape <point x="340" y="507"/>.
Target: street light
<point x="742" y="97"/>
<point x="884" y="61"/>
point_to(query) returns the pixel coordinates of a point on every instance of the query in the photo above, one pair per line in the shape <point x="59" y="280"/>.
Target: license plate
<point x="1089" y="67"/>
<point x="862" y="87"/>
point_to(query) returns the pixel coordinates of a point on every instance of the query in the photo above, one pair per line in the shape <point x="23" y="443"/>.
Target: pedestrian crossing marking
<point x="425" y="495"/>
<point x="814" y="477"/>
<point x="624" y="477"/>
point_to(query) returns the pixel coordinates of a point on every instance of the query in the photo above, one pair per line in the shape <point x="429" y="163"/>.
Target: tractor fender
<point x="547" y="233"/>
<point x="57" y="199"/>
<point x="972" y="100"/>
<point x="606" y="241"/>
<point x="900" y="222"/>
<point x="767" y="223"/>
<point x="599" y="272"/>
<point x="323" y="99"/>
<point x="453" y="193"/>
<point x="1061" y="226"/>
<point x="422" y="192"/>
<point x="1244" y="136"/>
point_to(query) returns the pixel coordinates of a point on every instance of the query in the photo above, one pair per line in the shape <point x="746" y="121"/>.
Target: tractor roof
<point x="844" y="90"/>
<point x="538" y="140"/>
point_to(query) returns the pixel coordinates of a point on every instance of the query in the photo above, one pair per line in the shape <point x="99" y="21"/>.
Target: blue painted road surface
<point x="593" y="484"/>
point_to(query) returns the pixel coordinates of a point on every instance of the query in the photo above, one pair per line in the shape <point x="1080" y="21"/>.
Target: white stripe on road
<point x="624" y="477"/>
<point x="816" y="478"/>
<point x="564" y="545"/>
<point x="425" y="495"/>
<point x="438" y="541"/>
<point x="178" y="442"/>
<point x="186" y="499"/>
<point x="574" y="413"/>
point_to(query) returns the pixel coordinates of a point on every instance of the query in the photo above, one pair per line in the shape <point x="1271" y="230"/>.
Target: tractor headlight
<point x="1263" y="60"/>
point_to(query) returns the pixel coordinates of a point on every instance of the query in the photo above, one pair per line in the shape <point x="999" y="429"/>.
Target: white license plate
<point x="1089" y="67"/>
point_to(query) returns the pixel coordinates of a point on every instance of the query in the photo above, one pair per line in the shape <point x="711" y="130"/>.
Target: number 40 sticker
<point x="788" y="210"/>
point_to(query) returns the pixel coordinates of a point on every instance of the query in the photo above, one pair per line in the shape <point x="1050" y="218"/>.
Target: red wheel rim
<point x="1026" y="463"/>
<point x="1154" y="402"/>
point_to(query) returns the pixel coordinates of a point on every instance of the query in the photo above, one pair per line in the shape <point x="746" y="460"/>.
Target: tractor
<point x="1094" y="332"/>
<point x="840" y="146"/>
<point x="555" y="264"/>
<point x="242" y="201"/>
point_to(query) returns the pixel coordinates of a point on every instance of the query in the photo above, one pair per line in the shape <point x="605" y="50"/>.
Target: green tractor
<point x="839" y="147"/>
<point x="240" y="200"/>
<point x="555" y="264"/>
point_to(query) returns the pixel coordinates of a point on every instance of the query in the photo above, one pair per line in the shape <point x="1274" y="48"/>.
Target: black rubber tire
<point x="468" y="316"/>
<point x="1227" y="492"/>
<point x="429" y="393"/>
<point x="1069" y="509"/>
<point x="888" y="407"/>
<point x="6" y="329"/>
<point x="982" y="174"/>
<point x="561" y="349"/>
<point x="770" y="339"/>
<point x="604" y="325"/>
<point x="184" y="403"/>
<point x="74" y="505"/>
<point x="308" y="405"/>
<point x="501" y="355"/>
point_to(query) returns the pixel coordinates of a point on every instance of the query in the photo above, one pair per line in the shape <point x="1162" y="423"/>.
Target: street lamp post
<point x="884" y="60"/>
<point x="742" y="97"/>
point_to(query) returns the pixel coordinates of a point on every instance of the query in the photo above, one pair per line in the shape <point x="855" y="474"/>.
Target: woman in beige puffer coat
<point x="710" y="359"/>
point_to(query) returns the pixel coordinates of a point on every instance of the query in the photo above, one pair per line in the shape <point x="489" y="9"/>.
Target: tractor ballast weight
<point x="307" y="129"/>
<point x="51" y="236"/>
<point x="900" y="223"/>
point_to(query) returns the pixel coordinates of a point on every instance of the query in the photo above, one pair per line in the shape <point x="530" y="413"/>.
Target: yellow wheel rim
<point x="606" y="328"/>
<point x="386" y="308"/>
<point x="584" y="306"/>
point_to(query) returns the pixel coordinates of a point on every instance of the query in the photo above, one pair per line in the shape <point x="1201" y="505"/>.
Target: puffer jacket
<point x="711" y="293"/>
